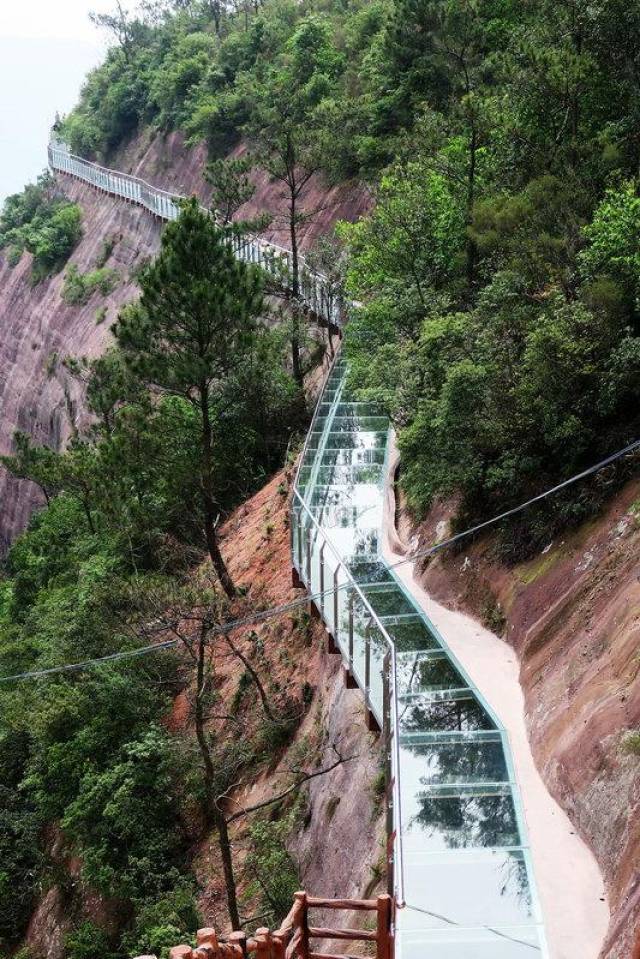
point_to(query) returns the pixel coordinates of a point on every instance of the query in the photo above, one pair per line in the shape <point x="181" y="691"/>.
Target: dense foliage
<point x="42" y="221"/>
<point x="85" y="751"/>
<point x="498" y="283"/>
<point x="499" y="271"/>
<point x="184" y="423"/>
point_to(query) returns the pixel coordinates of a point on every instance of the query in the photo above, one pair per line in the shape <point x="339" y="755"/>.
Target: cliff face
<point x="38" y="329"/>
<point x="573" y="616"/>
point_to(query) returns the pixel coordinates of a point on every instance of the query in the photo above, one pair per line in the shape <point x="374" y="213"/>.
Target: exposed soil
<point x="340" y="810"/>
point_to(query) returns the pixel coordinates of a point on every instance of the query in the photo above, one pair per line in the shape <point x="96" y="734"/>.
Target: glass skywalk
<point x="460" y="866"/>
<point x="462" y="874"/>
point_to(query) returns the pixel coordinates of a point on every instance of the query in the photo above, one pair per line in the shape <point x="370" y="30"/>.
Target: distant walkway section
<point x="314" y="290"/>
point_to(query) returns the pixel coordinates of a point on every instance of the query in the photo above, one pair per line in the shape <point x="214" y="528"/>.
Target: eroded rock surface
<point x="573" y="615"/>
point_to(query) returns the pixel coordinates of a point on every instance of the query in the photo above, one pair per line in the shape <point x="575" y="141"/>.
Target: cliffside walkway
<point x="459" y="863"/>
<point x="459" y="860"/>
<point x="316" y="293"/>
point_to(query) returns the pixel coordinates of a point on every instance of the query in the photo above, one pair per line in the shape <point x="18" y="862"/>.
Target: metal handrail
<point x="165" y="205"/>
<point x="351" y="584"/>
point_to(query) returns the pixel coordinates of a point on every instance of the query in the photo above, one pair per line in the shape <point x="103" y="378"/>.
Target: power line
<point x="274" y="611"/>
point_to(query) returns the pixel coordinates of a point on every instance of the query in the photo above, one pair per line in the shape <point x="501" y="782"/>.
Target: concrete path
<point x="569" y="882"/>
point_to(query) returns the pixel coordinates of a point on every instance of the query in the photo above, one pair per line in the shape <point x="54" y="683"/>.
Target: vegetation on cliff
<point x="43" y="221"/>
<point x="498" y="319"/>
<point x="192" y="408"/>
<point x="499" y="272"/>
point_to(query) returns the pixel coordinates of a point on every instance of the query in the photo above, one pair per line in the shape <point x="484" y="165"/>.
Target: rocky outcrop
<point x="573" y="615"/>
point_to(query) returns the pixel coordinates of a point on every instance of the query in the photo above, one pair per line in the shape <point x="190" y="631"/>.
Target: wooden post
<point x="278" y="947"/>
<point x="263" y="943"/>
<point x="207" y="937"/>
<point x="180" y="952"/>
<point x="383" y="949"/>
<point x="301" y="899"/>
<point x="239" y="939"/>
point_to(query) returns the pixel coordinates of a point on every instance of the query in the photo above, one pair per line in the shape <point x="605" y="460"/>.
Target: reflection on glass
<point x="422" y="672"/>
<point x="471" y="887"/>
<point x="370" y="571"/>
<point x="389" y="601"/>
<point x="423" y="715"/>
<point x="410" y="633"/>
<point x="451" y="759"/>
<point x="460" y="819"/>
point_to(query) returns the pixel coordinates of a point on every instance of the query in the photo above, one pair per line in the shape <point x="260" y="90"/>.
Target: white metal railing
<point x="315" y="290"/>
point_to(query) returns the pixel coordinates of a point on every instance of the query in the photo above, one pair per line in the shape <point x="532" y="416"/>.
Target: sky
<point x="46" y="49"/>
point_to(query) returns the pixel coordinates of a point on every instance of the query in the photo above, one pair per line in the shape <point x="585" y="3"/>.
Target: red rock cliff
<point x="38" y="329"/>
<point x="573" y="615"/>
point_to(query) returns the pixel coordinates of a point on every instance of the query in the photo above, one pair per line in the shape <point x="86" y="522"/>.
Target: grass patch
<point x="78" y="287"/>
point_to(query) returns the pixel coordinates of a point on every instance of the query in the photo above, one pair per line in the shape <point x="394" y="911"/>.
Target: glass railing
<point x="316" y="292"/>
<point x="460" y="867"/>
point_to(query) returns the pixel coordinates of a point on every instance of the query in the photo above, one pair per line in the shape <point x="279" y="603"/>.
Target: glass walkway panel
<point x="460" y="865"/>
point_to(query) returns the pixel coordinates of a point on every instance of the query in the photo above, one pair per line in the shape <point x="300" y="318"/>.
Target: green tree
<point x="194" y="322"/>
<point x="284" y="136"/>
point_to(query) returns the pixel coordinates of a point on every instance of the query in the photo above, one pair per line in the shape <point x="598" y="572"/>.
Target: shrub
<point x="43" y="222"/>
<point x="88" y="941"/>
<point x="276" y="876"/>
<point x="631" y="743"/>
<point x="78" y="287"/>
<point x="162" y="923"/>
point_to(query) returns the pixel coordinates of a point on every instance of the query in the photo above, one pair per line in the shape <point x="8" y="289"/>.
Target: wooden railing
<point x="293" y="939"/>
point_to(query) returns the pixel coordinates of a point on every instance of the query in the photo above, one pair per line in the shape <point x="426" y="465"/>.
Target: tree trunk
<point x="87" y="512"/>
<point x="295" y="288"/>
<point x="212" y="813"/>
<point x="208" y="499"/>
<point x="227" y="866"/>
<point x="471" y="195"/>
<point x="296" y="365"/>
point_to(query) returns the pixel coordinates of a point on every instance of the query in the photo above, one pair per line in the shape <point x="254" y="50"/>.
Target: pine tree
<point x="190" y="331"/>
